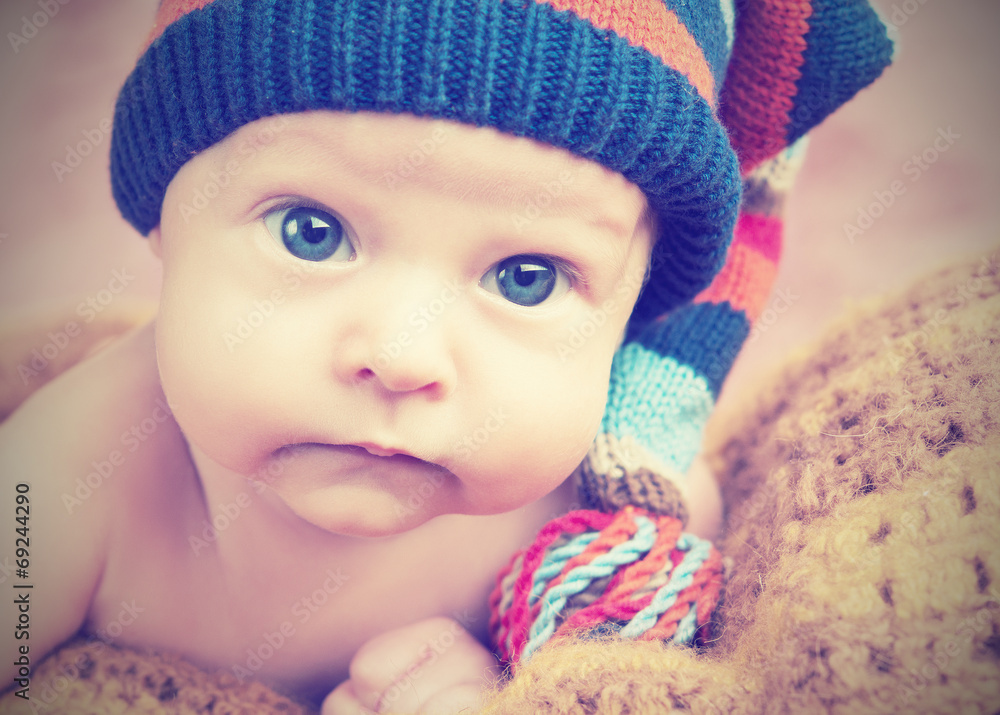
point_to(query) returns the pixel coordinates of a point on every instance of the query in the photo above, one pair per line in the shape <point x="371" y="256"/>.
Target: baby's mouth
<point x="359" y="454"/>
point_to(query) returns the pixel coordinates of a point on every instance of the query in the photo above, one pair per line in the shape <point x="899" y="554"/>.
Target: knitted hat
<point x="632" y="85"/>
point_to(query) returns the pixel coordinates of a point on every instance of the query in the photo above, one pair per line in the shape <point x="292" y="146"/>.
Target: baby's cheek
<point x="557" y="432"/>
<point x="583" y="407"/>
<point x="202" y="382"/>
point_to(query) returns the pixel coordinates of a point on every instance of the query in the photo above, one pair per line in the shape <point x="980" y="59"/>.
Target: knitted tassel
<point x="633" y="573"/>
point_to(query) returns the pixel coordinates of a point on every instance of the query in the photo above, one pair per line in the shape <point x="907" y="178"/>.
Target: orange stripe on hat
<point x="650" y="25"/>
<point x="745" y="282"/>
<point x="643" y="23"/>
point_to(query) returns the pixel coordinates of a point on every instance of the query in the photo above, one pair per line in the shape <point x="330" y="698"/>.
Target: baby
<point x="416" y="258"/>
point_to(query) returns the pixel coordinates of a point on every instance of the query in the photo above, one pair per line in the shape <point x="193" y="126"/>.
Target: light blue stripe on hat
<point x="665" y="410"/>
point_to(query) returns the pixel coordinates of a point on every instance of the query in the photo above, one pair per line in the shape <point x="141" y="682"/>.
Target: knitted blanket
<point x="863" y="517"/>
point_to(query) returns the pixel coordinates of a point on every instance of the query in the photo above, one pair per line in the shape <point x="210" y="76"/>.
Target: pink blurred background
<point x="61" y="238"/>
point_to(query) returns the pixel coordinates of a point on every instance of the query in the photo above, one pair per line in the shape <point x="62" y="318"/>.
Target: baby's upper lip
<point x="371" y="449"/>
<point x="379" y="451"/>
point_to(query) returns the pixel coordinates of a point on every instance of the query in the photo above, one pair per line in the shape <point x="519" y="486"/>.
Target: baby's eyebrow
<point x="554" y="197"/>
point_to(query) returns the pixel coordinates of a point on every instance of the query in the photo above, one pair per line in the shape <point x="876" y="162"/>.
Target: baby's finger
<point x="447" y="679"/>
<point x="385" y="659"/>
<point x="466" y="698"/>
<point x="399" y="670"/>
<point x="344" y="701"/>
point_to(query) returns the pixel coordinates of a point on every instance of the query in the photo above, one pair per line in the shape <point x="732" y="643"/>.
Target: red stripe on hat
<point x="650" y="25"/>
<point x="760" y="81"/>
<point x="169" y="12"/>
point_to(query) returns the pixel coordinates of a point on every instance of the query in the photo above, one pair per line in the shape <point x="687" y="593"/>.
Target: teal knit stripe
<point x="669" y="420"/>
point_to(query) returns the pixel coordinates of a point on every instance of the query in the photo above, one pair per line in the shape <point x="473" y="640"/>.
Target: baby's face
<point x="391" y="318"/>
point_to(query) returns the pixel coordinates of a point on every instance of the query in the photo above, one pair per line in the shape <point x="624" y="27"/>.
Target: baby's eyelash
<point x="291" y="202"/>
<point x="576" y="277"/>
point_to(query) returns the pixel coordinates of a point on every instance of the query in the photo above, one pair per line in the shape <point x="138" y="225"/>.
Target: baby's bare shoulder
<point x="73" y="434"/>
<point x="71" y="448"/>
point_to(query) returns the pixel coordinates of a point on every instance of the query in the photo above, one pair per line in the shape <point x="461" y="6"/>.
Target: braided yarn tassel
<point x="632" y="573"/>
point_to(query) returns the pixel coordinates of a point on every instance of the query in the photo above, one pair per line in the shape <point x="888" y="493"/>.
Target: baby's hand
<point x="433" y="666"/>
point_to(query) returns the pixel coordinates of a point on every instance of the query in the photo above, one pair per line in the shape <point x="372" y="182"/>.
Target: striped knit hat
<point x="643" y="87"/>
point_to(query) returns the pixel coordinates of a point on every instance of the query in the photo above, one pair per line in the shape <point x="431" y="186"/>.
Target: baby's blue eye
<point x="525" y="280"/>
<point x="310" y="233"/>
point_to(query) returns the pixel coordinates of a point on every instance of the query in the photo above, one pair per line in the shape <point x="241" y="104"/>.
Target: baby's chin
<point x="370" y="511"/>
<point x="364" y="511"/>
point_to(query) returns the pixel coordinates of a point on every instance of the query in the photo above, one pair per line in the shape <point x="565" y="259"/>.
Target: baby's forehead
<point x="399" y="151"/>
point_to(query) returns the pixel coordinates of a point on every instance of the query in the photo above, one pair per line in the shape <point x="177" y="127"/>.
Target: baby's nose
<point x="405" y="337"/>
